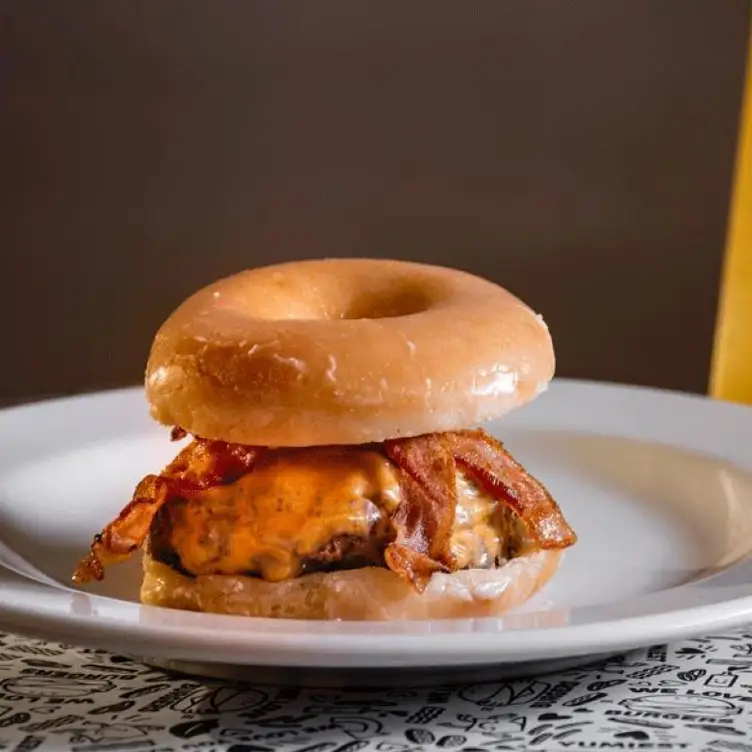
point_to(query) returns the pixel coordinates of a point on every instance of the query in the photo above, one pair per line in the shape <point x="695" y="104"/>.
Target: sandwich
<point x="335" y="460"/>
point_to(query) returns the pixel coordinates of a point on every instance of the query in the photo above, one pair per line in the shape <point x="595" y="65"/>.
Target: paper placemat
<point x="692" y="695"/>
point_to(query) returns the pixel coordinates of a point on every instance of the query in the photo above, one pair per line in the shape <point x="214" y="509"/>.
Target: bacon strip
<point x="424" y="518"/>
<point x="503" y="478"/>
<point x="422" y="523"/>
<point x="200" y="465"/>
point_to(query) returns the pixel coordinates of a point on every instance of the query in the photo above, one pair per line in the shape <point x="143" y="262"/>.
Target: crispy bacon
<point x="504" y="479"/>
<point x="424" y="518"/>
<point x="199" y="465"/>
<point x="423" y="521"/>
<point x="421" y="525"/>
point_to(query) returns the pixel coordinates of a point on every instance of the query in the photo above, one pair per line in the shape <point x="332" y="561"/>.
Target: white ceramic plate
<point x="657" y="485"/>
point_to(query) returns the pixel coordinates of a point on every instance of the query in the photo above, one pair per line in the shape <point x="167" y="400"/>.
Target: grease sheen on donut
<point x="345" y="351"/>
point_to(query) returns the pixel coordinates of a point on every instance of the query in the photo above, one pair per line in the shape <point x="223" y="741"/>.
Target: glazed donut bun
<point x="345" y="351"/>
<point x="366" y="594"/>
<point x="335" y="468"/>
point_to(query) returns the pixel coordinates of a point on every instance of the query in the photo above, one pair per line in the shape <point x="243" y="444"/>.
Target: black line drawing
<point x="640" y="736"/>
<point x="499" y="723"/>
<point x="688" y="653"/>
<point x="119" y="707"/>
<point x="717" y="729"/>
<point x="690" y="695"/>
<point x="698" y="705"/>
<point x="43" y="663"/>
<point x="135" y="746"/>
<point x="113" y="668"/>
<point x="55" y="687"/>
<point x="53" y="723"/>
<point x="643" y="722"/>
<point x="733" y="664"/>
<point x="15" y="720"/>
<point x="503" y="694"/>
<point x="536" y="730"/>
<point x="189" y="729"/>
<point x="36" y="648"/>
<point x="585" y="699"/>
<point x="598" y="686"/>
<point x="651" y="671"/>
<point x="28" y="743"/>
<point x="359" y="728"/>
<point x="425" y="715"/>
<point x="736" y="746"/>
<point x="250" y="736"/>
<point x="221" y="700"/>
<point x="724" y="680"/>
<point x="692" y="674"/>
<point x="139" y="692"/>
<point x="108" y="732"/>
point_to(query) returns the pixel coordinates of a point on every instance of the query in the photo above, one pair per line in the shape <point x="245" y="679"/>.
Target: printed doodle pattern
<point x="695" y="695"/>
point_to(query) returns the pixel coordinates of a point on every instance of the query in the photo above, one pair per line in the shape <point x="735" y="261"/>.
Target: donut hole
<point x="328" y="296"/>
<point x="390" y="303"/>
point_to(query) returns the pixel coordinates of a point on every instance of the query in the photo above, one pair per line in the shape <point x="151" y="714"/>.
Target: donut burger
<point x="333" y="465"/>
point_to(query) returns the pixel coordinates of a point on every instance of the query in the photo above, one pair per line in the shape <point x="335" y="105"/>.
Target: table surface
<point x="692" y="695"/>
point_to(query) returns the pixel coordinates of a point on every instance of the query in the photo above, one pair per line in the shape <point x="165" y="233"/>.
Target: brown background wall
<point x="578" y="152"/>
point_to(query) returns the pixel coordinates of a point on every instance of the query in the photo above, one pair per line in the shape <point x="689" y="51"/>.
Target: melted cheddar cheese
<point x="287" y="510"/>
<point x="476" y="539"/>
<point x="290" y="509"/>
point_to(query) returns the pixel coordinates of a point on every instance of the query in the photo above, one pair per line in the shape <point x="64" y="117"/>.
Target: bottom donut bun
<point x="367" y="594"/>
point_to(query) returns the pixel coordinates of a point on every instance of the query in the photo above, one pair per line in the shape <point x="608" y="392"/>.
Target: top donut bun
<point x="345" y="351"/>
